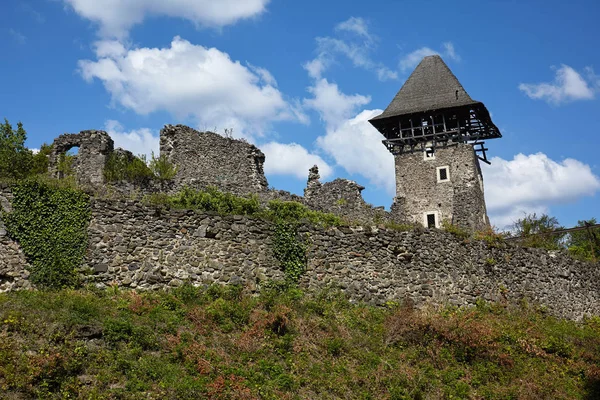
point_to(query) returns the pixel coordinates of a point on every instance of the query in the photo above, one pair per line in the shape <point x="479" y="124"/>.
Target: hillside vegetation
<point x="221" y="343"/>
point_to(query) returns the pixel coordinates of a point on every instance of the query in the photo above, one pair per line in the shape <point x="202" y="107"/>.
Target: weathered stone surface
<point x="373" y="265"/>
<point x="94" y="149"/>
<point x="459" y="200"/>
<point x="206" y="159"/>
<point x="341" y="197"/>
<point x="13" y="265"/>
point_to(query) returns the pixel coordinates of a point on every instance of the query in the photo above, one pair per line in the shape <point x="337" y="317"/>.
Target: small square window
<point x="443" y="174"/>
<point x="429" y="154"/>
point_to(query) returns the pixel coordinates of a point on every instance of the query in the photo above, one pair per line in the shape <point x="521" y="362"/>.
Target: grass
<point x="220" y="343"/>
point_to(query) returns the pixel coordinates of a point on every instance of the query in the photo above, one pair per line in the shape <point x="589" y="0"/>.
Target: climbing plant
<point x="289" y="250"/>
<point x="50" y="223"/>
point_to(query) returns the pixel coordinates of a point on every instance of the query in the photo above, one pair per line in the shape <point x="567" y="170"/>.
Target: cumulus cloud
<point x="356" y="146"/>
<point x="357" y="46"/>
<point x="533" y="183"/>
<point x="116" y="17"/>
<point x="292" y="159"/>
<point x="138" y="141"/>
<point x="189" y="80"/>
<point x="568" y="85"/>
<point x="349" y="139"/>
<point x="333" y="105"/>
<point x="411" y="60"/>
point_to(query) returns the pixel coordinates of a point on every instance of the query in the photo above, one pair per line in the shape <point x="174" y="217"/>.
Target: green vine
<point x="289" y="250"/>
<point x="50" y="223"/>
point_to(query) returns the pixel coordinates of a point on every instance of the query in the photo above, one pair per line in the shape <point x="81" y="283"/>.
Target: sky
<point x="301" y="80"/>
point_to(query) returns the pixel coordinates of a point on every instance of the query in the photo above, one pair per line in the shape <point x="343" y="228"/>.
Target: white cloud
<point x="333" y="105"/>
<point x="138" y="141"/>
<point x="568" y="85"/>
<point x="292" y="159"/>
<point x="411" y="60"/>
<point x="116" y="17"/>
<point x="17" y="36"/>
<point x="357" y="47"/>
<point x="450" y="52"/>
<point x="352" y="142"/>
<point x="533" y="183"/>
<point x="190" y="80"/>
<point x="355" y="25"/>
<point x="356" y="146"/>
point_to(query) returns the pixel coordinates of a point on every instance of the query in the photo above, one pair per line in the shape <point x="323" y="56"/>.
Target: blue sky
<point x="300" y="80"/>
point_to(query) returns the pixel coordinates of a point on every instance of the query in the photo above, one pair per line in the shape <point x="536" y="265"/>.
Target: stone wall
<point x="136" y="246"/>
<point x="149" y="248"/>
<point x="341" y="197"/>
<point x="459" y="200"/>
<point x="13" y="266"/>
<point x="207" y="159"/>
<point x="94" y="149"/>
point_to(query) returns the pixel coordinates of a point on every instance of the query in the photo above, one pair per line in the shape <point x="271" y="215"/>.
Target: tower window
<point x="430" y="219"/>
<point x="429" y="154"/>
<point x="443" y="174"/>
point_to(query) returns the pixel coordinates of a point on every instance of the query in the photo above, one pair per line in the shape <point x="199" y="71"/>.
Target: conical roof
<point x="431" y="86"/>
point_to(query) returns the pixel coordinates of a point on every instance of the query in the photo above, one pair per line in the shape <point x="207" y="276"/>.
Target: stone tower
<point x="436" y="133"/>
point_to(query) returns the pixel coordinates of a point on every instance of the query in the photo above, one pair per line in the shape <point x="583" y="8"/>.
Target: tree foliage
<point x="537" y="231"/>
<point x="15" y="159"/>
<point x="585" y="244"/>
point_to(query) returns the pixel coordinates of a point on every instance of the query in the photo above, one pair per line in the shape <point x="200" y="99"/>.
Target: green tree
<point x="537" y="231"/>
<point x="585" y="244"/>
<point x="15" y="159"/>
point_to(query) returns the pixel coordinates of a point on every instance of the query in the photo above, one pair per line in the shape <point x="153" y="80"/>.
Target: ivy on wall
<point x="50" y="223"/>
<point x="289" y="250"/>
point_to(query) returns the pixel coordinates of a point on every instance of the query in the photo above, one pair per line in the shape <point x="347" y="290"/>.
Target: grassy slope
<point x="222" y="344"/>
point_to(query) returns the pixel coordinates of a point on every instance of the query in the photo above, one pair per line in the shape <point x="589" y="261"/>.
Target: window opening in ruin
<point x="442" y="174"/>
<point x="67" y="162"/>
<point x="429" y="154"/>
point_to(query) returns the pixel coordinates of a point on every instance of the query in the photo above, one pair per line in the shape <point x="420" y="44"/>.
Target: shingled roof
<point x="431" y="86"/>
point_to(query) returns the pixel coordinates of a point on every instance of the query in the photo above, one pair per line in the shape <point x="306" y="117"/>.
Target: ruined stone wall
<point x="149" y="248"/>
<point x="13" y="265"/>
<point x="206" y="159"/>
<point x="142" y="247"/>
<point x="94" y="149"/>
<point x="459" y="200"/>
<point x="341" y="197"/>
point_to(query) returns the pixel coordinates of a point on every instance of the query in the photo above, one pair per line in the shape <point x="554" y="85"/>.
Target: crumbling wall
<point x="206" y="159"/>
<point x="341" y="197"/>
<point x="459" y="200"/>
<point x="94" y="149"/>
<point x="148" y="248"/>
<point x="13" y="265"/>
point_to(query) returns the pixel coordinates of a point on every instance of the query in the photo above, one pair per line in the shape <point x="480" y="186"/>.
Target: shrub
<point x="455" y="230"/>
<point x="161" y="168"/>
<point x="214" y="200"/>
<point x="121" y="167"/>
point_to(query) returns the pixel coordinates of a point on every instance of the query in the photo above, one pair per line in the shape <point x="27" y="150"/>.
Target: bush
<point x="121" y="167"/>
<point x="214" y="200"/>
<point x="50" y="223"/>
<point x="161" y="168"/>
